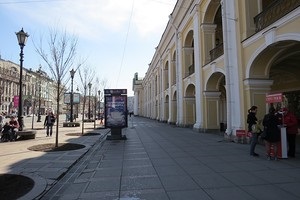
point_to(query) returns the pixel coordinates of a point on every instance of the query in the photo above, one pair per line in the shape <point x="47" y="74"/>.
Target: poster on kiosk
<point x="115" y="108"/>
<point x="278" y="98"/>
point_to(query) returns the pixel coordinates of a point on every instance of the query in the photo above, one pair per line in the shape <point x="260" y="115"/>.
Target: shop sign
<point x="274" y="98"/>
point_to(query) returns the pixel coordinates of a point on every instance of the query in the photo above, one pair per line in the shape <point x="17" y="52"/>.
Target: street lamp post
<point x="22" y="38"/>
<point x="1" y="92"/>
<point x="99" y="110"/>
<point x="72" y="72"/>
<point x="40" y="90"/>
<point x="77" y="105"/>
<point x="89" y="112"/>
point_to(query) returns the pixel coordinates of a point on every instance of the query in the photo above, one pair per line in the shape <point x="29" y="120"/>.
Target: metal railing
<point x="191" y="70"/>
<point x="216" y="52"/>
<point x="274" y="12"/>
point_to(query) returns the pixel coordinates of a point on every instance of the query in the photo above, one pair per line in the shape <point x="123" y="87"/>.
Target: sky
<point x="116" y="38"/>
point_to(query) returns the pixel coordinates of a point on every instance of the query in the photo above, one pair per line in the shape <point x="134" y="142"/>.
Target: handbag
<point x="264" y="133"/>
<point x="255" y="128"/>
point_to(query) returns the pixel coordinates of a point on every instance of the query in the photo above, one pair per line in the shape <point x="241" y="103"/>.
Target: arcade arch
<point x="190" y="105"/>
<point x="174" y="108"/>
<point x="166" y="75"/>
<point x="215" y="102"/>
<point x="212" y="32"/>
<point x="277" y="63"/>
<point x="166" y="110"/>
<point x="188" y="55"/>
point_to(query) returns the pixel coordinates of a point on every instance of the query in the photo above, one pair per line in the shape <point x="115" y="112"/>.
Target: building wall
<point x="38" y="90"/>
<point x="214" y="61"/>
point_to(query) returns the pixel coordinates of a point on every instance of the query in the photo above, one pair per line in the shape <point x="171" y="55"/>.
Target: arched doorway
<point x="215" y="102"/>
<point x="174" y="108"/>
<point x="190" y="106"/>
<point x="166" y="110"/>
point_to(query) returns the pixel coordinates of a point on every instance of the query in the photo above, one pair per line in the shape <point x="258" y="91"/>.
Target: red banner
<point x="240" y="133"/>
<point x="274" y="98"/>
<point x="16" y="101"/>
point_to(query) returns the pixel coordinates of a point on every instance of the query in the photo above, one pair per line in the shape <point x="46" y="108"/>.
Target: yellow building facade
<point x="217" y="58"/>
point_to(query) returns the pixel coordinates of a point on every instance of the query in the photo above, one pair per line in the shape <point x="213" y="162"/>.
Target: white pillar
<point x="162" y="91"/>
<point x="198" y="72"/>
<point x="170" y="85"/>
<point x="231" y="55"/>
<point x="179" y="82"/>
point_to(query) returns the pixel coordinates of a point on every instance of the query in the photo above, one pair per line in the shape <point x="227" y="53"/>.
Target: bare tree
<point x="86" y="76"/>
<point x="59" y="57"/>
<point x="99" y="88"/>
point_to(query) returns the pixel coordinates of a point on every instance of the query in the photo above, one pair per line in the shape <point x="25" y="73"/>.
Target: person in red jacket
<point x="291" y="123"/>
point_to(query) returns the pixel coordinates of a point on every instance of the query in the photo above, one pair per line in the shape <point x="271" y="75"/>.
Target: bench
<point x="71" y="124"/>
<point x="26" y="134"/>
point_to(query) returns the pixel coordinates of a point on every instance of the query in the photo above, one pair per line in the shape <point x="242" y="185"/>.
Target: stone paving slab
<point x="163" y="162"/>
<point x="160" y="161"/>
<point x="45" y="168"/>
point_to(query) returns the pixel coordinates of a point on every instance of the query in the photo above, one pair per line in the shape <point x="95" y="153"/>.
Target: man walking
<point x="49" y="121"/>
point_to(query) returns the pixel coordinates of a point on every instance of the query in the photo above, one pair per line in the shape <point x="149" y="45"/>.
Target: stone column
<point x="170" y="85"/>
<point x="198" y="72"/>
<point x="179" y="82"/>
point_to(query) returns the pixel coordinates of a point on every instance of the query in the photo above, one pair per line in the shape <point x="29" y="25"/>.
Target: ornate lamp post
<point x="72" y="72"/>
<point x="89" y="112"/>
<point x="39" y="110"/>
<point x="22" y="38"/>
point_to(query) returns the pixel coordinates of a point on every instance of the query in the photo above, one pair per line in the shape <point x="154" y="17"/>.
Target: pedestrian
<point x="251" y="120"/>
<point x="271" y="125"/>
<point x="14" y="124"/>
<point x="101" y="119"/>
<point x="49" y="122"/>
<point x="1" y="121"/>
<point x="6" y="133"/>
<point x="291" y="123"/>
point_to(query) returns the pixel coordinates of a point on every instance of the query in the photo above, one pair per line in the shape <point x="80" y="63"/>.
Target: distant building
<point x="138" y="95"/>
<point x="130" y="104"/>
<point x="39" y="93"/>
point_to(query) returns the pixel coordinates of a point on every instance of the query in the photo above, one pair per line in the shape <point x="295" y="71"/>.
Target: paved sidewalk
<point x="159" y="161"/>
<point x="45" y="168"/>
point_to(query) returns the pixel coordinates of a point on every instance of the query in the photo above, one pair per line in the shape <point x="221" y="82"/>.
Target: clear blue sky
<point x="118" y="37"/>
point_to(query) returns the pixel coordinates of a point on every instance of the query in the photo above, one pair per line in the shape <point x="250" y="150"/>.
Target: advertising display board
<point x="67" y="98"/>
<point x="115" y="108"/>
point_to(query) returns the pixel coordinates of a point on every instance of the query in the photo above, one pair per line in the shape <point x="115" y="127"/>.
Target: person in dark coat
<point x="251" y="119"/>
<point x="49" y="122"/>
<point x="14" y="124"/>
<point x="271" y="125"/>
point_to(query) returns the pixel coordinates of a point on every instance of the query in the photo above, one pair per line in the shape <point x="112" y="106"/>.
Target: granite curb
<point x="42" y="186"/>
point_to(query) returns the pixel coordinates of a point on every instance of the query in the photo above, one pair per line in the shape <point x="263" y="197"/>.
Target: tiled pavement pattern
<point x="161" y="162"/>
